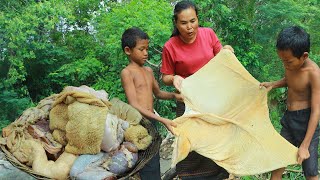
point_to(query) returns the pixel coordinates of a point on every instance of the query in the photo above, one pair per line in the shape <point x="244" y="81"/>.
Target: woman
<point x="189" y="48"/>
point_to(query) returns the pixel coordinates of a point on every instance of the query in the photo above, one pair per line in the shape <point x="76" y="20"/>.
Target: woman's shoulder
<point x="173" y="41"/>
<point x="207" y="34"/>
<point x="205" y="30"/>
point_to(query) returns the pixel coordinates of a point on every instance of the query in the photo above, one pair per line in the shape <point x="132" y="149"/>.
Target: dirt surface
<point x="166" y="149"/>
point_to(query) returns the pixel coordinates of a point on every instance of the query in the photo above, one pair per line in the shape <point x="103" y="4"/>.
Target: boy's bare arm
<point x="275" y="84"/>
<point x="130" y="91"/>
<point x="303" y="152"/>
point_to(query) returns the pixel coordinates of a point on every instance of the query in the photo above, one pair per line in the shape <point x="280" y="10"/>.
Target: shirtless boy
<point x="302" y="77"/>
<point x="140" y="86"/>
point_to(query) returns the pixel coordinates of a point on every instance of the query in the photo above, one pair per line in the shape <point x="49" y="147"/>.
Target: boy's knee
<point x="277" y="174"/>
<point x="312" y="178"/>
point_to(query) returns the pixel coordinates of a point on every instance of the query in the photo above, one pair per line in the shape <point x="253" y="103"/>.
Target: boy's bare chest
<point x="298" y="82"/>
<point x="142" y="81"/>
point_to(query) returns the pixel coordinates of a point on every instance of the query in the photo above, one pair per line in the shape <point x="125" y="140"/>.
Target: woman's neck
<point x="187" y="41"/>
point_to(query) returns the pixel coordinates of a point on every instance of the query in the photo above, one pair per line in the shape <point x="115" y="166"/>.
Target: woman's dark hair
<point x="294" y="38"/>
<point x="130" y="37"/>
<point x="180" y="6"/>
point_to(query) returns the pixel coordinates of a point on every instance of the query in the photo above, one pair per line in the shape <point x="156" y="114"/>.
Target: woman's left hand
<point x="177" y="81"/>
<point x="228" y="47"/>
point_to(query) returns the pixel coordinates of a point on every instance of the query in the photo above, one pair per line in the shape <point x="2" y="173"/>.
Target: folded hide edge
<point x="231" y="125"/>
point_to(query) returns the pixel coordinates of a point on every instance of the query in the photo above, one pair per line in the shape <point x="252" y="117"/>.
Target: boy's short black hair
<point x="131" y="35"/>
<point x="294" y="38"/>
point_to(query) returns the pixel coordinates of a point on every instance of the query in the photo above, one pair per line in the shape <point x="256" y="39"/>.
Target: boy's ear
<point x="127" y="50"/>
<point x="305" y="55"/>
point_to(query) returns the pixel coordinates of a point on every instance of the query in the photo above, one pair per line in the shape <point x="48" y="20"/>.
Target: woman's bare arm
<point x="172" y="80"/>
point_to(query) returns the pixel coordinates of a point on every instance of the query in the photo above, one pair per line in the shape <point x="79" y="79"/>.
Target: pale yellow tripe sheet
<point x="232" y="125"/>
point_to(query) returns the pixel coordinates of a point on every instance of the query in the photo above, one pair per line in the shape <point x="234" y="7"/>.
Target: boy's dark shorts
<point x="151" y="169"/>
<point x="294" y="128"/>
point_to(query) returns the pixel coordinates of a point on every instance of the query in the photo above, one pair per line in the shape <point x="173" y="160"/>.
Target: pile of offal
<point x="77" y="133"/>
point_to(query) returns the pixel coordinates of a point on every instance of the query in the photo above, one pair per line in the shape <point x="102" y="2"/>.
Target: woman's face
<point x="187" y="24"/>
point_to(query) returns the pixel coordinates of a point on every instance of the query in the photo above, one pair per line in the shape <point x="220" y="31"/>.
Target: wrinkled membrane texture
<point x="114" y="133"/>
<point x="229" y="120"/>
<point x="81" y="118"/>
<point x="87" y="166"/>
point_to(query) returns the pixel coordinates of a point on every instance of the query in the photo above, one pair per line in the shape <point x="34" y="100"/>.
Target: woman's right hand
<point x="177" y="81"/>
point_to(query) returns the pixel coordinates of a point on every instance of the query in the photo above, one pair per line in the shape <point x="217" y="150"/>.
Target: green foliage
<point x="263" y="176"/>
<point x="46" y="45"/>
<point x="12" y="107"/>
<point x="269" y="11"/>
<point x="25" y="41"/>
<point x="77" y="73"/>
<point x="112" y="85"/>
<point x="293" y="172"/>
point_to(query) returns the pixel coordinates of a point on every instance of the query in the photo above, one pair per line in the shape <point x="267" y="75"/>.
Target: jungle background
<point x="46" y="45"/>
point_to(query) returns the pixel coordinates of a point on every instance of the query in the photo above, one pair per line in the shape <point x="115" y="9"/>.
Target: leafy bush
<point x="86" y="71"/>
<point x="12" y="106"/>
